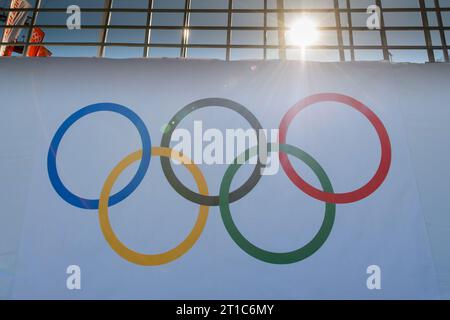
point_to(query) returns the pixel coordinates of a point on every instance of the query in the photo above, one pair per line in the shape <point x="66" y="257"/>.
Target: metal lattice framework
<point x="345" y="45"/>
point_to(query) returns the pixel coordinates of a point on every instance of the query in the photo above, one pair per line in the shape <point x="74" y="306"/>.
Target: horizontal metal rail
<point x="235" y="46"/>
<point x="312" y="10"/>
<point x="250" y="28"/>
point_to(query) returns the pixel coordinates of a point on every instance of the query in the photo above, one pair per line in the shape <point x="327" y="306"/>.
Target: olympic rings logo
<point x="225" y="197"/>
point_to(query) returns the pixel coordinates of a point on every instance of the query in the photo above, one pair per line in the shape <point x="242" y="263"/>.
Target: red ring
<point x="347" y="197"/>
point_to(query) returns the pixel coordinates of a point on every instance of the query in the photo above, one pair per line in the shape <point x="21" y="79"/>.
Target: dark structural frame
<point x="341" y="9"/>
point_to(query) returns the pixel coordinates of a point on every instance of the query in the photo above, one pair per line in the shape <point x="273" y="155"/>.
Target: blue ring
<point x="132" y="185"/>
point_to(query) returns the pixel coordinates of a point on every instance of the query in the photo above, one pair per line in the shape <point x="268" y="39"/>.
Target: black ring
<point x="165" y="143"/>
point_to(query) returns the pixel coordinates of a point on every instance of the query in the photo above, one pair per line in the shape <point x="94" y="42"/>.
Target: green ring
<point x="268" y="256"/>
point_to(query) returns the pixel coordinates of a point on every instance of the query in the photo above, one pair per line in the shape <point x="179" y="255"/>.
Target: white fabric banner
<point x="346" y="214"/>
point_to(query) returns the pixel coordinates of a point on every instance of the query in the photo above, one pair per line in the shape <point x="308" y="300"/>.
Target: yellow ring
<point x="151" y="259"/>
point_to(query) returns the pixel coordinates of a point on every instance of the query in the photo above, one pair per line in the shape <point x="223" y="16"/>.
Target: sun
<point x="303" y="32"/>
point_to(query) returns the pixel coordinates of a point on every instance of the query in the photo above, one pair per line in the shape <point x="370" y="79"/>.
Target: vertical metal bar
<point x="230" y="7"/>
<point x="384" y="44"/>
<point x="104" y="33"/>
<point x="185" y="34"/>
<point x="37" y="5"/>
<point x="350" y="31"/>
<point x="441" y="29"/>
<point x="337" y="16"/>
<point x="148" y="30"/>
<point x="426" y="30"/>
<point x="265" y="31"/>
<point x="281" y="29"/>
